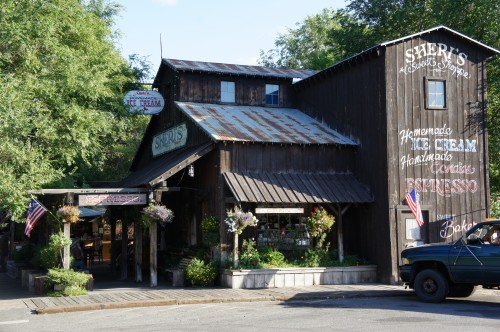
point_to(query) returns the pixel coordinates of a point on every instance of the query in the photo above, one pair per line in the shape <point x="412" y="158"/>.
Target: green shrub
<point x="317" y="257"/>
<point x="210" y="230"/>
<point x="68" y="279"/>
<point x="250" y="257"/>
<point x="199" y="273"/>
<point x="272" y="257"/>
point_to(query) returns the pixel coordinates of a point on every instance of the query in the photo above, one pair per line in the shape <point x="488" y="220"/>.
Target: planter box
<point x="295" y="277"/>
<point x="14" y="269"/>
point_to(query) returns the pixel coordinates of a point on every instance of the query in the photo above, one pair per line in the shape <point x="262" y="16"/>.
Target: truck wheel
<point x="431" y="286"/>
<point x="461" y="290"/>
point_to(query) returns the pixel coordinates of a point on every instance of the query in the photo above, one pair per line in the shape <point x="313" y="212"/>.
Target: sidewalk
<point x="117" y="294"/>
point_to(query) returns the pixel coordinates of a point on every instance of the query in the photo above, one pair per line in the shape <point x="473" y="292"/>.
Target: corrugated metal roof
<point x="225" y="68"/>
<point x="260" y="124"/>
<point x="165" y="166"/>
<point x="266" y="187"/>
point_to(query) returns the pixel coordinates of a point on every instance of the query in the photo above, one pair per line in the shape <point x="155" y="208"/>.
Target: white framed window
<point x="435" y="94"/>
<point x="227" y="92"/>
<point x="412" y="230"/>
<point x="272" y="94"/>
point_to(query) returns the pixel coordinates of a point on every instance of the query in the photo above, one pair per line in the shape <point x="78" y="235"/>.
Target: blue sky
<point x="209" y="30"/>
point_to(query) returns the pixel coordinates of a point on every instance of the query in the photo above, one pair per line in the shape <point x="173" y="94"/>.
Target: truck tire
<point x="431" y="286"/>
<point x="461" y="290"/>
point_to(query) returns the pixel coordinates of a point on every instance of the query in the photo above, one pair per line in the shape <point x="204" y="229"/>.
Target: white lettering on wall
<point x="437" y="139"/>
<point x="449" y="227"/>
<point x="437" y="56"/>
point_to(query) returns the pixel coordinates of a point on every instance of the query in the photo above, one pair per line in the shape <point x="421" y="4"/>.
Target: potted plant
<point x="69" y="213"/>
<point x="237" y="221"/>
<point x="156" y="213"/>
<point x="68" y="282"/>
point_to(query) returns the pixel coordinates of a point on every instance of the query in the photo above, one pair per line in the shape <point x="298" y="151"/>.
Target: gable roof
<point x="260" y="124"/>
<point x="233" y="69"/>
<point x="375" y="50"/>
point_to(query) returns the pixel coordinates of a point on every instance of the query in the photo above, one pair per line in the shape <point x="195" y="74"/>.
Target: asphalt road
<point x="477" y="313"/>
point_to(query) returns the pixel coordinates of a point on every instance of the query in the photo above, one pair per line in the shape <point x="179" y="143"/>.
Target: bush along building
<point x="354" y="138"/>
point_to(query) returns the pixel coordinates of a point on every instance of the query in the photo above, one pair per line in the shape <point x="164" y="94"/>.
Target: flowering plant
<point x="319" y="223"/>
<point x="238" y="220"/>
<point x="156" y="213"/>
<point x="69" y="213"/>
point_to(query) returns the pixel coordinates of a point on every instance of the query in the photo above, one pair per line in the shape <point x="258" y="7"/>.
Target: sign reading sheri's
<point x="171" y="139"/>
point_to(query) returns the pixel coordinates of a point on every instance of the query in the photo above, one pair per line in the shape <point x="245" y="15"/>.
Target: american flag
<point x="35" y="212"/>
<point x="414" y="205"/>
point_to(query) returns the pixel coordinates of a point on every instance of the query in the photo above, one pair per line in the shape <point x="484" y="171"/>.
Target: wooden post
<point x="339" y="212"/>
<point x="67" y="234"/>
<point x="235" y="251"/>
<point x="340" y="237"/>
<point x="153" y="236"/>
<point x="138" y="251"/>
<point x="66" y="255"/>
<point x="124" y="250"/>
<point x="153" y="247"/>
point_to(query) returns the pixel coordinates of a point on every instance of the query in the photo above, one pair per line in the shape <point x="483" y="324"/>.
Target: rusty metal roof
<point x="225" y="68"/>
<point x="260" y="124"/>
<point x="267" y="187"/>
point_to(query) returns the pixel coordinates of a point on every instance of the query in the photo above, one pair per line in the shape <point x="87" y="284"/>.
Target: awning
<point x="267" y="187"/>
<point x="88" y="213"/>
<point x="165" y="166"/>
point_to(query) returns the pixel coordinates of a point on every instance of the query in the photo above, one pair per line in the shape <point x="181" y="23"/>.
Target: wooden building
<point x="234" y="130"/>
<point x="354" y="138"/>
<point x="416" y="107"/>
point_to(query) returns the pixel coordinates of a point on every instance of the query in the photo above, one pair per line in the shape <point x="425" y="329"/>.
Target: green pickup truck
<point x="437" y="271"/>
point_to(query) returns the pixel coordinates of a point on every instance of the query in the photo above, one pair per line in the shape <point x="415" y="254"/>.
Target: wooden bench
<point x="178" y="272"/>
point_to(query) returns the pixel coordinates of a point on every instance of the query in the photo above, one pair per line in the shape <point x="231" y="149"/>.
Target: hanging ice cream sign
<point x="438" y="57"/>
<point x="144" y="102"/>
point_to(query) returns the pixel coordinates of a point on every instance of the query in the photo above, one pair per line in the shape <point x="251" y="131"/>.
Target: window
<point x="272" y="94"/>
<point x="227" y="92"/>
<point x="435" y="94"/>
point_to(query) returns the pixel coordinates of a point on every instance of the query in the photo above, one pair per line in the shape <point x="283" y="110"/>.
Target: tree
<point x="62" y="82"/>
<point x="305" y="46"/>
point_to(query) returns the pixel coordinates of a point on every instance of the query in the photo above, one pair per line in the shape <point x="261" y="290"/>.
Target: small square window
<point x="227" y="92"/>
<point x="435" y="94"/>
<point x="272" y="94"/>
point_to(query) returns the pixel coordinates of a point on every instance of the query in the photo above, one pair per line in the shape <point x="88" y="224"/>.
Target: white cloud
<point x="166" y="2"/>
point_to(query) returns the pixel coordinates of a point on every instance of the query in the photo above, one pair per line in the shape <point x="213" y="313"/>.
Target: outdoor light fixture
<point x="191" y="171"/>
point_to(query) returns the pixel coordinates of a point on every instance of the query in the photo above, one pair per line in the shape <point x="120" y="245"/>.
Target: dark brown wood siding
<point x="351" y="100"/>
<point x="238" y="157"/>
<point x="425" y="145"/>
<point x="248" y="90"/>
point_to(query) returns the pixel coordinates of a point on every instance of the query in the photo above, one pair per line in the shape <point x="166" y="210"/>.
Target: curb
<point x="186" y="301"/>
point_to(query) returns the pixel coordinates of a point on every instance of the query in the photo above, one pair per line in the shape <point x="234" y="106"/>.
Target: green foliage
<point x="250" y="257"/>
<point x="316" y="257"/>
<point x="319" y="224"/>
<point x="52" y="255"/>
<point x="209" y="224"/>
<point x="305" y="46"/>
<point x="74" y="282"/>
<point x="272" y="257"/>
<point x="210" y="230"/>
<point x="495" y="206"/>
<point x="200" y="273"/>
<point x="49" y="257"/>
<point x="62" y="82"/>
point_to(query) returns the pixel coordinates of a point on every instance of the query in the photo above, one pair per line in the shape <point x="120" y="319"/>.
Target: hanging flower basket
<point x="69" y="213"/>
<point x="156" y="213"/>
<point x="238" y="220"/>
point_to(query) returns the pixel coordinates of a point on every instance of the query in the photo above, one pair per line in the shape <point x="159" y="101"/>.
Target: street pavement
<point x="123" y="294"/>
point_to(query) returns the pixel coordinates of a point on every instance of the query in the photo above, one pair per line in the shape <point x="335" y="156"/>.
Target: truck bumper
<point x="405" y="273"/>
